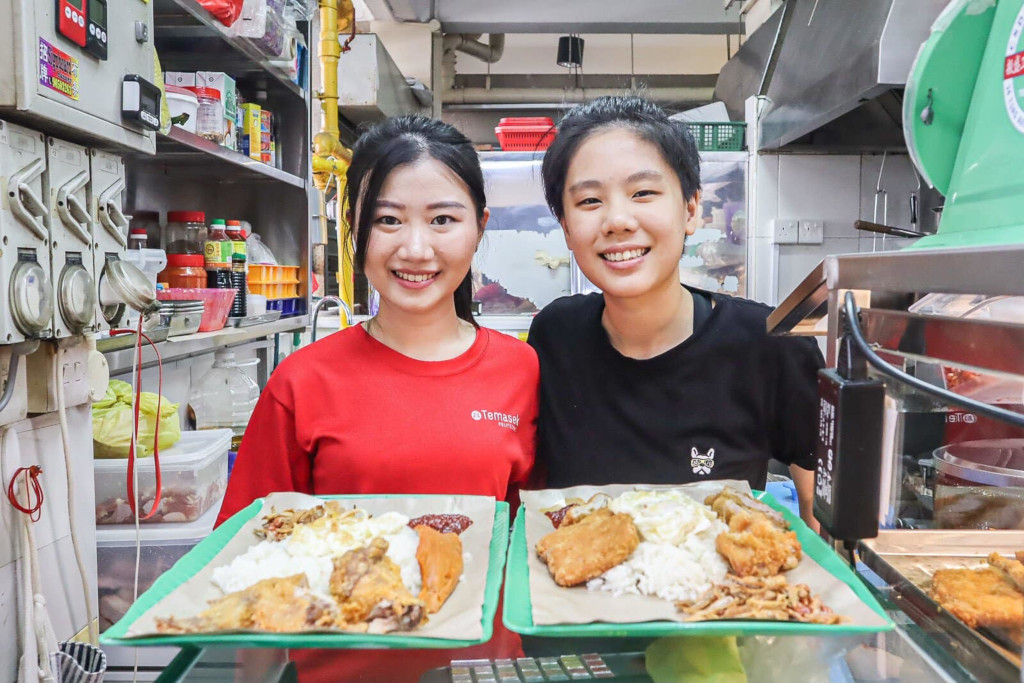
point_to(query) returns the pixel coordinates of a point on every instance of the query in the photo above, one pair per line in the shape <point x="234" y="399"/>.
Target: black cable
<point x="853" y="326"/>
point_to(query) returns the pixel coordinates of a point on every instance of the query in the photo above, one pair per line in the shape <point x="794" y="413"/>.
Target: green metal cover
<point x="971" y="73"/>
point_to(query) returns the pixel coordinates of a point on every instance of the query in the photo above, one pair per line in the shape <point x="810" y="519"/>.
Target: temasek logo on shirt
<point x="503" y="419"/>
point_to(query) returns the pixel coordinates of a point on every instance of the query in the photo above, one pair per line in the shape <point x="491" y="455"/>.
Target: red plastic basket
<point x="217" y="304"/>
<point x="525" y="133"/>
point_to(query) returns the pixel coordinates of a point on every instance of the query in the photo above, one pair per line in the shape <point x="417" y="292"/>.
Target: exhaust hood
<point x="370" y="86"/>
<point x="839" y="74"/>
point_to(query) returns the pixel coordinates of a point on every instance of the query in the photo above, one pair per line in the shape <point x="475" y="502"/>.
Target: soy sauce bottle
<point x="238" y="308"/>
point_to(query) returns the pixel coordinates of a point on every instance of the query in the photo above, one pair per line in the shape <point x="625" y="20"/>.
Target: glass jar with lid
<point x="185" y="232"/>
<point x="210" y="117"/>
<point x="184" y="270"/>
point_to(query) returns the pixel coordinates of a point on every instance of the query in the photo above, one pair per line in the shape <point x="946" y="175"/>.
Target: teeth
<point x="413" y="278"/>
<point x="624" y="255"/>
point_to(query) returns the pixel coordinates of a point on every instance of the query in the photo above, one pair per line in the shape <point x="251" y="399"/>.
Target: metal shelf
<point x="189" y="38"/>
<point x="187" y="346"/>
<point x="181" y="146"/>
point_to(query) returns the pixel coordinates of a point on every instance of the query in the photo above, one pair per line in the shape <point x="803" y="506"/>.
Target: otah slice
<point x="440" y="559"/>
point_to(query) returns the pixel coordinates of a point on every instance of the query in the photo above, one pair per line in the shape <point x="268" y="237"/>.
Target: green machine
<point x="963" y="117"/>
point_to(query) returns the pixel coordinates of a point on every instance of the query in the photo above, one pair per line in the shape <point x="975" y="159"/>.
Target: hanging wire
<point x="32" y="486"/>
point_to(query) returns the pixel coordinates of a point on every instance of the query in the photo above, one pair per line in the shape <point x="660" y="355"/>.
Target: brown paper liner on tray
<point x="459" y="618"/>
<point x="553" y="604"/>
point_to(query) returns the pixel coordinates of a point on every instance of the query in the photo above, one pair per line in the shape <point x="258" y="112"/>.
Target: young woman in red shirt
<point x="394" y="405"/>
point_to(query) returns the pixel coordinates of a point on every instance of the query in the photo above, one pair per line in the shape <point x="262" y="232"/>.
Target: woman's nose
<point x="418" y="244"/>
<point x="619" y="219"/>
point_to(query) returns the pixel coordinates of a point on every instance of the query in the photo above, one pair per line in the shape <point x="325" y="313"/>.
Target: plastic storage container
<point x="274" y="282"/>
<point x="218" y="304"/>
<point x="185" y="232"/>
<point x="718" y="137"/>
<point x="194" y="472"/>
<point x="184" y="271"/>
<point x="225" y="397"/>
<point x="160" y="547"/>
<point x="525" y="133"/>
<point x="980" y="485"/>
<point x="182" y="103"/>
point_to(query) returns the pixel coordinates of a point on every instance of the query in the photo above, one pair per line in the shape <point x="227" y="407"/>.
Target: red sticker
<point x="1014" y="66"/>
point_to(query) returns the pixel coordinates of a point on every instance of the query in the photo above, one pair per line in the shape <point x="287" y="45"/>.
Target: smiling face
<point x="625" y="214"/>
<point x="425" y="231"/>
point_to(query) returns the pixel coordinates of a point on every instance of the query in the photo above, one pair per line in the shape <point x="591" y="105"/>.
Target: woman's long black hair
<point x="406" y="140"/>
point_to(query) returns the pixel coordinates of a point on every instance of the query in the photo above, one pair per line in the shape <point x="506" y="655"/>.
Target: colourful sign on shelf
<point x="58" y="70"/>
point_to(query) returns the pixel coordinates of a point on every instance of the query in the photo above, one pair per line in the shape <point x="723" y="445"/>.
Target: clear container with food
<point x="194" y="473"/>
<point x="184" y="271"/>
<point x="980" y="485"/>
<point x="185" y="232"/>
<point x="210" y="122"/>
<point x="160" y="547"/>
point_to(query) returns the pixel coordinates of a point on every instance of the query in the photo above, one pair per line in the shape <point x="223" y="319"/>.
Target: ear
<point x="565" y="231"/>
<point x="483" y="220"/>
<point x="693" y="452"/>
<point x="692" y="209"/>
<point x="711" y="453"/>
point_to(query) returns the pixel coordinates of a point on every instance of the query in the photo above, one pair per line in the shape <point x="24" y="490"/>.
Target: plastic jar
<point x="210" y="118"/>
<point x="184" y="271"/>
<point x="185" y="232"/>
<point x="150" y="222"/>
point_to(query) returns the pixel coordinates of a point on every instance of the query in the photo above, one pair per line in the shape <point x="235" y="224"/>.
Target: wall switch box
<point x="811" y="232"/>
<point x="785" y="231"/>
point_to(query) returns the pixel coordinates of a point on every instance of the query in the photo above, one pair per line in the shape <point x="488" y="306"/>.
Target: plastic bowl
<point x="217" y="304"/>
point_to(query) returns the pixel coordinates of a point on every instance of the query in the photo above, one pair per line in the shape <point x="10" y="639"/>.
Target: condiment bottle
<point x="137" y="239"/>
<point x="236" y="233"/>
<point x="238" y="308"/>
<point x="218" y="247"/>
<point x="184" y="270"/>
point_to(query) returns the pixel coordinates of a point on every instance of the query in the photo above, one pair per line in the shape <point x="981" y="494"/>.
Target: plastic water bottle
<point x="225" y="397"/>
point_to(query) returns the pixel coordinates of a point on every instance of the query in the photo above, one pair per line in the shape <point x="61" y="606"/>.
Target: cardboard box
<point x="182" y="79"/>
<point x="223" y="84"/>
<point x="251" y="134"/>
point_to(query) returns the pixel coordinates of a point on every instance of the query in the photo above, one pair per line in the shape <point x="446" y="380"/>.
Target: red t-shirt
<point x="350" y="415"/>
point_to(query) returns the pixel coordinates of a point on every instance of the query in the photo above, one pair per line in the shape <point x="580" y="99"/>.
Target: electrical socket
<point x="811" y="232"/>
<point x="785" y="231"/>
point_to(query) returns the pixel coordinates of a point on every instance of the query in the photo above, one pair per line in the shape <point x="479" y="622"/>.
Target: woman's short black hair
<point x="631" y="112"/>
<point x="406" y="140"/>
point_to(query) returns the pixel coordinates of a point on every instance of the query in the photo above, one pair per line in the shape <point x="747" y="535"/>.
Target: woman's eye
<point x="645" y="193"/>
<point x="588" y="201"/>
<point x="387" y="220"/>
<point x="442" y="220"/>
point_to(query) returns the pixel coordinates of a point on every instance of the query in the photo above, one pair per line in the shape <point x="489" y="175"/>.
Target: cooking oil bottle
<point x="225" y="397"/>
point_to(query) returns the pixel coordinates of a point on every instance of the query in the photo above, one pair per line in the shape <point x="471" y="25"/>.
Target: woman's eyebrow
<point x="388" y="204"/>
<point x="445" y="205"/>
<point x="643" y="175"/>
<point x="584" y="185"/>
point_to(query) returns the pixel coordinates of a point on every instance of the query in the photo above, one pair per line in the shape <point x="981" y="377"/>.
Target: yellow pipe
<point x="330" y="157"/>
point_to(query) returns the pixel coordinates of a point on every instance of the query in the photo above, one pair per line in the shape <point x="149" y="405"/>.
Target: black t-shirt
<point x="717" y="406"/>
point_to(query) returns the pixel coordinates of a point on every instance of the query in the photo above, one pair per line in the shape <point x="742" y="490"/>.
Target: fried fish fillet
<point x="979" y="597"/>
<point x="368" y="587"/>
<point x="729" y="502"/>
<point x="755" y="546"/>
<point x="583" y="550"/>
<point x="440" y="559"/>
<point x="280" y="604"/>
<point x="1011" y="569"/>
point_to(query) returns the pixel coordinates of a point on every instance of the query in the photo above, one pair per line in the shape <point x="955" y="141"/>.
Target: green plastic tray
<point x="518" y="611"/>
<point x="207" y="549"/>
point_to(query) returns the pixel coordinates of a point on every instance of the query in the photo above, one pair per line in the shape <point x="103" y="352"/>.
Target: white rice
<point x="676" y="558"/>
<point x="312" y="547"/>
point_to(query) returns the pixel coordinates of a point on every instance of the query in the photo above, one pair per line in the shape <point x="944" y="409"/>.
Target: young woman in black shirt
<point x="651" y="381"/>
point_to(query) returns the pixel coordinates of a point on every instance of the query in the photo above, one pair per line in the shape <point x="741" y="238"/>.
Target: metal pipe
<point x="330" y="157"/>
<point x="330" y="299"/>
<point x="568" y="95"/>
<point x="489" y="52"/>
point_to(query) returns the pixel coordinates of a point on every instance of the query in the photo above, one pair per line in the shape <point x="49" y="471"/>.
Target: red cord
<point x="156" y="427"/>
<point x="31" y="482"/>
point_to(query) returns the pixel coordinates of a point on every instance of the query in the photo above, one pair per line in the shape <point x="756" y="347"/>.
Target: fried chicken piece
<point x="440" y="559"/>
<point x="583" y="550"/>
<point x="279" y="604"/>
<point x="729" y="502"/>
<point x="367" y="585"/>
<point x="979" y="597"/>
<point x="766" y="598"/>
<point x="1012" y="570"/>
<point x="754" y="546"/>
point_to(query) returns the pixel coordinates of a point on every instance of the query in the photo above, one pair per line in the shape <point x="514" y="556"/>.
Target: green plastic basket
<point x="718" y="137"/>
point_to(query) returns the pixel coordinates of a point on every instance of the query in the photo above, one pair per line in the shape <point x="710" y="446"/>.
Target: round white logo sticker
<point x="476" y="415"/>
<point x="1013" y="74"/>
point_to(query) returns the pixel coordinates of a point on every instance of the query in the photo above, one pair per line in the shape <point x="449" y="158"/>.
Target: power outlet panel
<point x="811" y="231"/>
<point x="73" y="378"/>
<point x="785" y="231"/>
